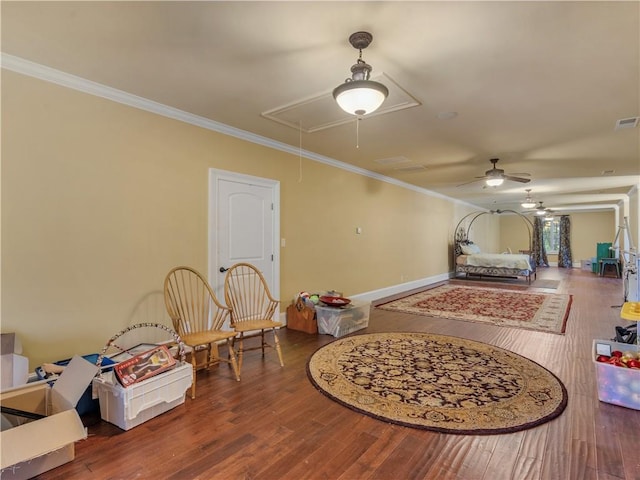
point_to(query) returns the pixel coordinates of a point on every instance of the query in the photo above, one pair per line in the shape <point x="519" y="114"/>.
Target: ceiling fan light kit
<point x="494" y="177"/>
<point x="541" y="210"/>
<point x="528" y="202"/>
<point x="358" y="95"/>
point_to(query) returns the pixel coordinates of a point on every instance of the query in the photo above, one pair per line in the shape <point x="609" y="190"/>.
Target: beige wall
<point x="587" y="229"/>
<point x="514" y="233"/>
<point x="100" y="200"/>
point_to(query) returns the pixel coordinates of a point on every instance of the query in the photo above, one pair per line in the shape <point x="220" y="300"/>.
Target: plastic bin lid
<point x="631" y="311"/>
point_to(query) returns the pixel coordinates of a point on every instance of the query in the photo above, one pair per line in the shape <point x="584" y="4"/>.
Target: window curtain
<point x="564" y="247"/>
<point x="539" y="253"/>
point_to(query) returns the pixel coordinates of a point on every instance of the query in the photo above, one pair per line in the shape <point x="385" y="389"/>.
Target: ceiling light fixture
<point x="358" y="95"/>
<point x="528" y="202"/>
<point x="494" y="182"/>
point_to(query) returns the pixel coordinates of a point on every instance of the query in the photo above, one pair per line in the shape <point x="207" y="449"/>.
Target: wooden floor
<point x="275" y="425"/>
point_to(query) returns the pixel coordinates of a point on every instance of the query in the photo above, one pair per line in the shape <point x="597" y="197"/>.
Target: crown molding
<point x="48" y="74"/>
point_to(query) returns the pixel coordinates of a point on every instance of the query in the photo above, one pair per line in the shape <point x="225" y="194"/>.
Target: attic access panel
<point x="320" y="111"/>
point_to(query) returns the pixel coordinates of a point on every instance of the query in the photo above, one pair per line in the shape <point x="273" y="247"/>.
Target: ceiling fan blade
<point x="478" y="179"/>
<point x="517" y="179"/>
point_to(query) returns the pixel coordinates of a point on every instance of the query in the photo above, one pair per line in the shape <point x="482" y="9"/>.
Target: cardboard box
<point x="340" y="321"/>
<point x="14" y="368"/>
<point x="86" y="404"/>
<point x="617" y="385"/>
<point x="31" y="447"/>
<point x="131" y="406"/>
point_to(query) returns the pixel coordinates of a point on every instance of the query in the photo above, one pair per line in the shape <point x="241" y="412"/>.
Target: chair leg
<point x="240" y="350"/>
<point x="232" y="359"/>
<point x="213" y="355"/>
<point x="208" y="357"/>
<point x="277" y="344"/>
<point x="262" y="340"/>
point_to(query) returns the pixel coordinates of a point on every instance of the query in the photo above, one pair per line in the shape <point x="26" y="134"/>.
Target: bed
<point x="470" y="260"/>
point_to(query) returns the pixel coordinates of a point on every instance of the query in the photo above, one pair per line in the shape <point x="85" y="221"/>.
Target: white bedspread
<point x="499" y="260"/>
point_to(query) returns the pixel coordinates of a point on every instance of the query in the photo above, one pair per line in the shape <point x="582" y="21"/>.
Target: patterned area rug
<point x="498" y="282"/>
<point x="545" y="312"/>
<point x="436" y="382"/>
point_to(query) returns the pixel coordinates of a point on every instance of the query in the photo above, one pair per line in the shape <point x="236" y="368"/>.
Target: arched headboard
<point x="461" y="237"/>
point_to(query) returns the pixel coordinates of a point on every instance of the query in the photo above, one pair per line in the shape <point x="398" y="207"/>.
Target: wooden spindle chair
<point x="252" y="308"/>
<point x="198" y="317"/>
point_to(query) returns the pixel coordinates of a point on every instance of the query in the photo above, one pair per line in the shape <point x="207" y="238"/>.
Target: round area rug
<point x="436" y="382"/>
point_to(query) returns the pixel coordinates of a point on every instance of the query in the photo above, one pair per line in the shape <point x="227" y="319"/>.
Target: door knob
<point x="222" y="269"/>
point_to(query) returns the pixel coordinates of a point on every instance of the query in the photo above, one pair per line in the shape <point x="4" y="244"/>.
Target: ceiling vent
<point x="392" y="160"/>
<point x="631" y="122"/>
<point x="410" y="168"/>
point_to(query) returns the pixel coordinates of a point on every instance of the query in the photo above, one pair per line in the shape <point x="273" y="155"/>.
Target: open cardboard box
<point x="29" y="448"/>
<point x="14" y="368"/>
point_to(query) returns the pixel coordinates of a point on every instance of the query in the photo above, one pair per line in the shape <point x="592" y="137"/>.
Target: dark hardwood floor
<point x="275" y="425"/>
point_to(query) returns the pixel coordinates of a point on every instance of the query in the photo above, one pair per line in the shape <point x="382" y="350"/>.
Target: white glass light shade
<point x="495" y="182"/>
<point x="528" y="204"/>
<point x="541" y="212"/>
<point x="360" y="97"/>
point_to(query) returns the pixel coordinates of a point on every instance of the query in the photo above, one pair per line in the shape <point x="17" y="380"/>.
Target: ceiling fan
<point x="495" y="176"/>
<point x="540" y="209"/>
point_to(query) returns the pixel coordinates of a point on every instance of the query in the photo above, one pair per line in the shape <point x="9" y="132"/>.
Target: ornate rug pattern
<point x="546" y="312"/>
<point x="436" y="382"/>
<point x="500" y="282"/>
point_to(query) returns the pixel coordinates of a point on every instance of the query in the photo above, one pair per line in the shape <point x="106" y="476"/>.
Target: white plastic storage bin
<point x="131" y="406"/>
<point x="344" y="320"/>
<point x="617" y="385"/>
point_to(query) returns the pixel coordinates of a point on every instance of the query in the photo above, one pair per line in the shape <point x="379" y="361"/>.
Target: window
<point x="551" y="235"/>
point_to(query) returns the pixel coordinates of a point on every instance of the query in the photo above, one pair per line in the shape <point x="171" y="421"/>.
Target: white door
<point x="244" y="226"/>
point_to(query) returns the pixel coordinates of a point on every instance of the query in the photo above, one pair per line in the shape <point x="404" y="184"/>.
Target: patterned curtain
<point x="564" y="248"/>
<point x="539" y="254"/>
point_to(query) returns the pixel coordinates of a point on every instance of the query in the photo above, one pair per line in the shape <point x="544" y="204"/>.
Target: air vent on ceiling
<point x="410" y="168"/>
<point x="608" y="172"/>
<point x="392" y="160"/>
<point x="631" y="122"/>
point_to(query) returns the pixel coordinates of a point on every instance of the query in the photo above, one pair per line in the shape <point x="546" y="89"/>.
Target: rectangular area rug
<point x="545" y="312"/>
<point x="498" y="282"/>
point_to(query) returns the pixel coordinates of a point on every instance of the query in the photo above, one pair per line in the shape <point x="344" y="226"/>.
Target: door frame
<point x="215" y="175"/>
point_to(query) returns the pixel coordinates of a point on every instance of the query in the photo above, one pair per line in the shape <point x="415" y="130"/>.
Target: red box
<point x="145" y="365"/>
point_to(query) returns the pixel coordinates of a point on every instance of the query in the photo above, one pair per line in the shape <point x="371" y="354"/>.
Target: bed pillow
<point x="470" y="249"/>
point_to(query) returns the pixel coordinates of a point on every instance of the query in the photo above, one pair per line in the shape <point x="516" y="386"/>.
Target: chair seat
<point x="203" y="338"/>
<point x="249" y="325"/>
